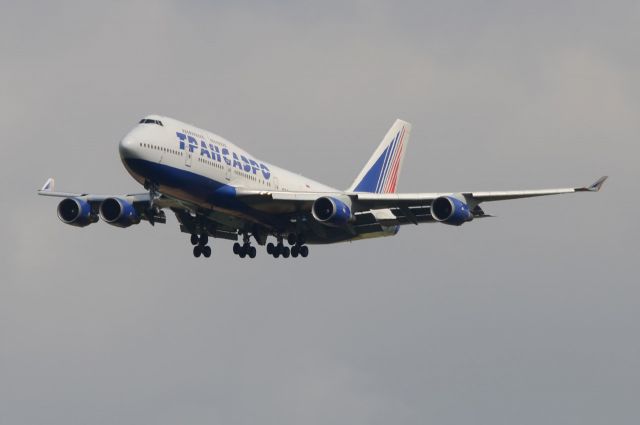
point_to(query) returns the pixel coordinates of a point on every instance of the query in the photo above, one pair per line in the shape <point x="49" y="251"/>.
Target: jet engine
<point x="332" y="211"/>
<point x="76" y="212"/>
<point x="450" y="210"/>
<point x="119" y="212"/>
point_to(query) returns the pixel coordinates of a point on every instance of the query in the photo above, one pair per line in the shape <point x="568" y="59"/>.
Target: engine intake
<point x="331" y="211"/>
<point x="119" y="212"/>
<point x="450" y="210"/>
<point x="76" y="212"/>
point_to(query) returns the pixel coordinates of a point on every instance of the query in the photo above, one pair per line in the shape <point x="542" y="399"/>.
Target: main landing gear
<point x="298" y="248"/>
<point x="200" y="246"/>
<point x="245" y="249"/>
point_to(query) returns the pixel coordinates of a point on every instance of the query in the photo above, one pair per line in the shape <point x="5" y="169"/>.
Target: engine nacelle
<point x="450" y="210"/>
<point x="119" y="212"/>
<point x="76" y="212"/>
<point x="332" y="211"/>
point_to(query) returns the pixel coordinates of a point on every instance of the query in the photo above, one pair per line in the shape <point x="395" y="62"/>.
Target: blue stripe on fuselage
<point x="197" y="187"/>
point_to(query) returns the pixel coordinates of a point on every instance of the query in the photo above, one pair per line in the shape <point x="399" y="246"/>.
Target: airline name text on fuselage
<point x="220" y="154"/>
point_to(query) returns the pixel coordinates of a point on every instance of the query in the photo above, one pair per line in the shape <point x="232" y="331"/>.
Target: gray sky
<point x="528" y="318"/>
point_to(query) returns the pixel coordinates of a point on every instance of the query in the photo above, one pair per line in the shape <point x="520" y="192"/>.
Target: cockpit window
<point x="148" y="121"/>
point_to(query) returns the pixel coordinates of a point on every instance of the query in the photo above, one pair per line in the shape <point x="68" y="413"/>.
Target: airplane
<point x="217" y="190"/>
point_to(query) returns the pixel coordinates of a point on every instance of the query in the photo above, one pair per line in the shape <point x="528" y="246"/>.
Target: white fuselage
<point x="161" y="145"/>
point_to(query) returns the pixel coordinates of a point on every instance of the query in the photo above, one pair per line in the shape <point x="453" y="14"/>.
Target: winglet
<point x="595" y="186"/>
<point x="49" y="185"/>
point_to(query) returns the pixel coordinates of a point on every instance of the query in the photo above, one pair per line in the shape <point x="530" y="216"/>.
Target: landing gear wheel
<point x="292" y="238"/>
<point x="304" y="251"/>
<point x="204" y="239"/>
<point x="243" y="253"/>
<point x="295" y="250"/>
<point x="270" y="248"/>
<point x="237" y="248"/>
<point x="206" y="251"/>
<point x="197" y="251"/>
<point x="194" y="239"/>
<point x="286" y="252"/>
<point x="252" y="252"/>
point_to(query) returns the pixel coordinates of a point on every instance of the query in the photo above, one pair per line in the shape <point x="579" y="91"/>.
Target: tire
<point x="295" y="250"/>
<point x="304" y="251"/>
<point x="204" y="239"/>
<point x="194" y="239"/>
<point x="197" y="251"/>
<point x="252" y="252"/>
<point x="292" y="238"/>
<point x="286" y="251"/>
<point x="206" y="251"/>
<point x="243" y="253"/>
<point x="270" y="247"/>
<point x="236" y="248"/>
<point x="276" y="253"/>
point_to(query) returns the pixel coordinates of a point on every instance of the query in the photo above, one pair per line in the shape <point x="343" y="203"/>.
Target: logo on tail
<point x="380" y="175"/>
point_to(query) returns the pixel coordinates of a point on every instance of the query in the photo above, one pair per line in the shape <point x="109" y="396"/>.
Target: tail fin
<point x="380" y="175"/>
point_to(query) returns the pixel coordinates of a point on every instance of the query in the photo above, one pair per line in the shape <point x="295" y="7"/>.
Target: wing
<point x="141" y="202"/>
<point x="48" y="189"/>
<point x="146" y="210"/>
<point x="375" y="200"/>
<point x="397" y="208"/>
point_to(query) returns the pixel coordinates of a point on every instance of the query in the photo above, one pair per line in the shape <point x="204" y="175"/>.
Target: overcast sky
<point x="528" y="318"/>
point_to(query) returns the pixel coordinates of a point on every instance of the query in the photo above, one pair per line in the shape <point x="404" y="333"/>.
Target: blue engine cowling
<point x="450" y="210"/>
<point x="331" y="211"/>
<point x="76" y="212"/>
<point x="119" y="212"/>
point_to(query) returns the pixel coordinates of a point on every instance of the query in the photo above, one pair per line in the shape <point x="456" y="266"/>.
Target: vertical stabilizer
<point x="380" y="175"/>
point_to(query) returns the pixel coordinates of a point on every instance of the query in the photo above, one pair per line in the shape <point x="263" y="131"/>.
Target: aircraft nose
<point x="128" y="147"/>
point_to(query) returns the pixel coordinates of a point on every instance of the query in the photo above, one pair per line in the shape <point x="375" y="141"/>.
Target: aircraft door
<point x="227" y="172"/>
<point x="188" y="156"/>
